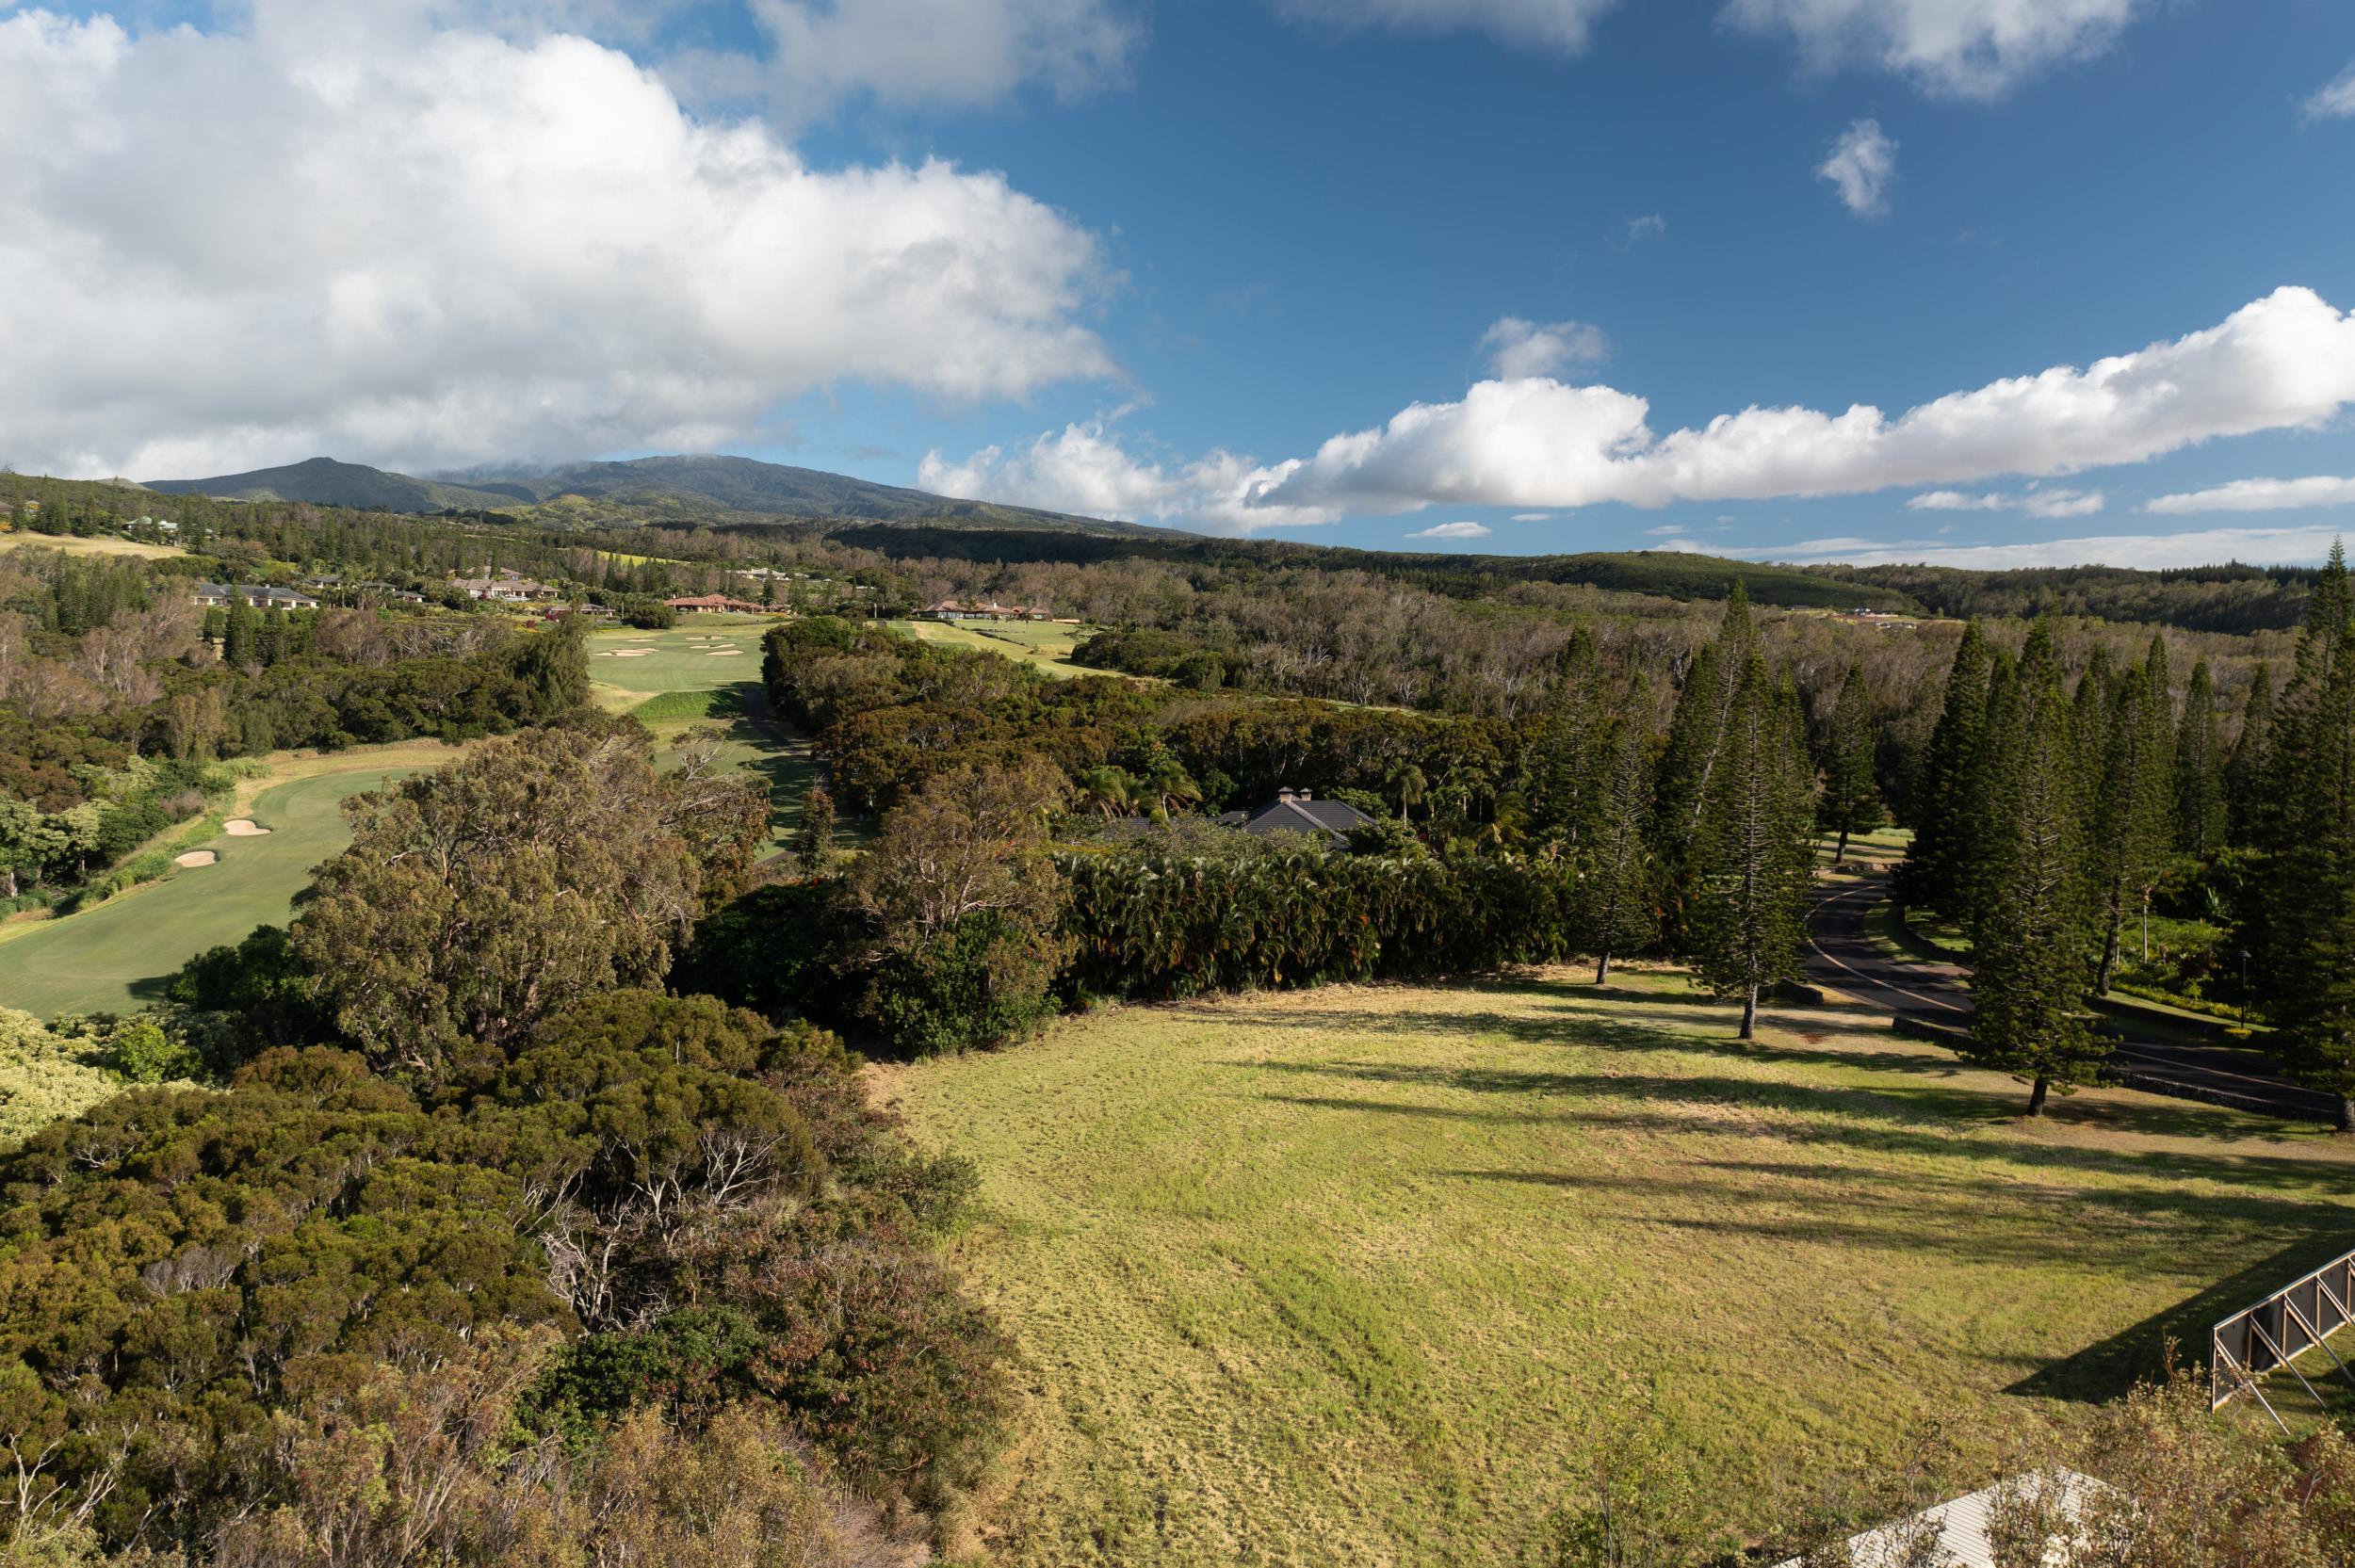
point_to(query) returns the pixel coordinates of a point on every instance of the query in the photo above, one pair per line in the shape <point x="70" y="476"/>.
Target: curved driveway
<point x="1843" y="958"/>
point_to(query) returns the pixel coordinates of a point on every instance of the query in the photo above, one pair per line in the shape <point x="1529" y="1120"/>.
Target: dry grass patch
<point x="1349" y="1276"/>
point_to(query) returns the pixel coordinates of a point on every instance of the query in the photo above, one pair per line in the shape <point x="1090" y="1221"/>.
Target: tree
<point x="2199" y="770"/>
<point x="2029" y="934"/>
<point x="1689" y="762"/>
<point x="2248" y="777"/>
<point x="962" y="906"/>
<point x="238" y="634"/>
<point x="1852" y="803"/>
<point x="475" y="900"/>
<point x="1756" y="854"/>
<point x="1108" y="791"/>
<point x="1617" y="912"/>
<point x="2301" y="925"/>
<point x="1940" y="862"/>
<point x="2133" y="816"/>
<point x="813" y="841"/>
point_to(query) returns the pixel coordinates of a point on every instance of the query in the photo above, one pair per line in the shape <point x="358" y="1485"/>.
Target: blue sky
<point x="1152" y="260"/>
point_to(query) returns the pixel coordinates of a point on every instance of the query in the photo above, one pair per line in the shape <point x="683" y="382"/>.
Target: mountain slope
<point x="765" y="488"/>
<point x="324" y="482"/>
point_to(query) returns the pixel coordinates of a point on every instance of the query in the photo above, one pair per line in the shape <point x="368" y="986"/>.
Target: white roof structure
<point x="1963" y="1524"/>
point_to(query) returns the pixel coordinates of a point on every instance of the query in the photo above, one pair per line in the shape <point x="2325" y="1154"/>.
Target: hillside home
<point x="1296" y="810"/>
<point x="504" y="588"/>
<point x="714" y="604"/>
<point x="220" y="595"/>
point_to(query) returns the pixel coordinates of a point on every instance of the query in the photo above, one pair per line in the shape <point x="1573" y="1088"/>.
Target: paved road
<point x="1841" y="957"/>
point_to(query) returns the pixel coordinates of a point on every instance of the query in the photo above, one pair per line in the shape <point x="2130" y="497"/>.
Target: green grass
<point x="681" y="692"/>
<point x="1350" y="1276"/>
<point x="114" y="956"/>
<point x="1042" y="645"/>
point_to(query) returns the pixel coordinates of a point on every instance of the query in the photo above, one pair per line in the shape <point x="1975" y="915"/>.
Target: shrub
<point x="985" y="980"/>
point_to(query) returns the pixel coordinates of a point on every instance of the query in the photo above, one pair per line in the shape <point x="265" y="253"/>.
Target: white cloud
<point x="421" y="245"/>
<point x="1949" y="48"/>
<point x="1563" y="25"/>
<point x="1517" y="349"/>
<point x="1533" y="517"/>
<point x="1453" y="530"/>
<point x="941" y="53"/>
<point x="2337" y="100"/>
<point x="2036" y="503"/>
<point x="2284" y="361"/>
<point x="2150" y="552"/>
<point x="2320" y="490"/>
<point x="1083" y="468"/>
<point x="1636" y="230"/>
<point x="1863" y="165"/>
<point x="1665" y="530"/>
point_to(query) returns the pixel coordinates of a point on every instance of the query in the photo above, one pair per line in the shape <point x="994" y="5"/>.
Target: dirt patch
<point x="243" y="827"/>
<point x="195" y="857"/>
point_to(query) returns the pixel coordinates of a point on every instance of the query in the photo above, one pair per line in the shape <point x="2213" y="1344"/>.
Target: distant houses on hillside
<point x="718" y="603"/>
<point x="220" y="595"/>
<point x="504" y="588"/>
<point x="949" y="609"/>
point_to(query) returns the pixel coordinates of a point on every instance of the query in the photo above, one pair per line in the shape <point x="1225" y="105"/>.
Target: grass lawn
<point x="1355" y="1276"/>
<point x="113" y="958"/>
<point x="682" y="689"/>
<point x="100" y="544"/>
<point x="1042" y="645"/>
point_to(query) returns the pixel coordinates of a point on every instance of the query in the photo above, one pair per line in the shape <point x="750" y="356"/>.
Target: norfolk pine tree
<point x="2133" y="798"/>
<point x="2248" y="777"/>
<point x="2029" y="934"/>
<point x="1852" y="803"/>
<point x="1757" y="845"/>
<point x="1697" y="738"/>
<point x="2199" y="770"/>
<point x="1615" y="889"/>
<point x="1933" y="872"/>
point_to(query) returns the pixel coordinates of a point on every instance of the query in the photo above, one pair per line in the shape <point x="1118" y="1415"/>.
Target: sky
<point x="1987" y="283"/>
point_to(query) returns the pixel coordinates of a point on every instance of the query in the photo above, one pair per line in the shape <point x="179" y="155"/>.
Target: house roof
<point x="1298" y="811"/>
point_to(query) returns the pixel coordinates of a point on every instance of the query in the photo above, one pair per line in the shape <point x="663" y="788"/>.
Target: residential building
<point x="1296" y="810"/>
<point x="220" y="595"/>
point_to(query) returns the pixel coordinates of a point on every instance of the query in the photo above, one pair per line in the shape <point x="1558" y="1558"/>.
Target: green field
<point x="1352" y="1276"/>
<point x="1042" y="645"/>
<point x="114" y="956"/>
<point x="97" y="544"/>
<point x="682" y="689"/>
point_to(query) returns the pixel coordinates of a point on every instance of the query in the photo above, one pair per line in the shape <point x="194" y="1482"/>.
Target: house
<point x="1962" y="1527"/>
<point x="1296" y="810"/>
<point x="503" y="588"/>
<point x="220" y="595"/>
<point x="714" y="604"/>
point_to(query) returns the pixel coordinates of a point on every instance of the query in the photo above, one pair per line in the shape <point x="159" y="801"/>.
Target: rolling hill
<point x="324" y="482"/>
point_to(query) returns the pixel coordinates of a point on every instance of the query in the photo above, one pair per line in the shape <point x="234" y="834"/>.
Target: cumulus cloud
<point x="1518" y="348"/>
<point x="2149" y="552"/>
<point x="2284" y="361"/>
<point x="2036" y="503"/>
<point x="416" y="244"/>
<point x="2337" y="100"/>
<point x="1862" y="166"/>
<point x="1453" y="530"/>
<point x="1563" y="25"/>
<point x="2319" y="490"/>
<point x="1949" y="48"/>
<point x="1627" y="235"/>
<point x="1083" y="468"/>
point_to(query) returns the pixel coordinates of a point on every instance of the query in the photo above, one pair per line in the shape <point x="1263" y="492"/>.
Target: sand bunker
<point x="626" y="652"/>
<point x="725" y="654"/>
<point x="195" y="857"/>
<point x="243" y="827"/>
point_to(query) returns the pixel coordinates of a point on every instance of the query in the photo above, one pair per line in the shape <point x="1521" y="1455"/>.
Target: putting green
<point x="115" y="958"/>
<point x="629" y="667"/>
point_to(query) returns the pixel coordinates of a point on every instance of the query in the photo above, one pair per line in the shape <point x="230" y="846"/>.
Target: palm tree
<point x="1170" y="785"/>
<point x="1407" y="785"/>
<point x="1108" y="791"/>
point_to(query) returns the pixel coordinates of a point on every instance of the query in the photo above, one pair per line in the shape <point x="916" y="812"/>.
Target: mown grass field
<point x="114" y="956"/>
<point x="682" y="686"/>
<point x="1355" y="1276"/>
<point x="100" y="544"/>
<point x="1042" y="645"/>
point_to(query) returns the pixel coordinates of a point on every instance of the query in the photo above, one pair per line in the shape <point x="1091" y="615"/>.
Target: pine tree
<point x="2301" y="917"/>
<point x="1757" y="850"/>
<point x="1937" y="863"/>
<point x="237" y="637"/>
<point x="2199" y="770"/>
<point x="1570" y="758"/>
<point x="1852" y="801"/>
<point x="814" y="841"/>
<point x="2248" y="775"/>
<point x="2133" y="800"/>
<point x="1697" y="737"/>
<point x="1616" y="911"/>
<point x="2029" y="936"/>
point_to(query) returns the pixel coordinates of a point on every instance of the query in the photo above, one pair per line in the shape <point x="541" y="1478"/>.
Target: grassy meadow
<point x="701" y="680"/>
<point x="114" y="956"/>
<point x="98" y="544"/>
<point x="1042" y="645"/>
<point x="1357" y="1276"/>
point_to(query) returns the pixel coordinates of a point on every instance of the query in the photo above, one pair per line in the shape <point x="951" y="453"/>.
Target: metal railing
<point x="2244" y="1347"/>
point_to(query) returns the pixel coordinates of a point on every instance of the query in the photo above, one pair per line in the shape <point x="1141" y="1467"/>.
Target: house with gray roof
<point x="1297" y="810"/>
